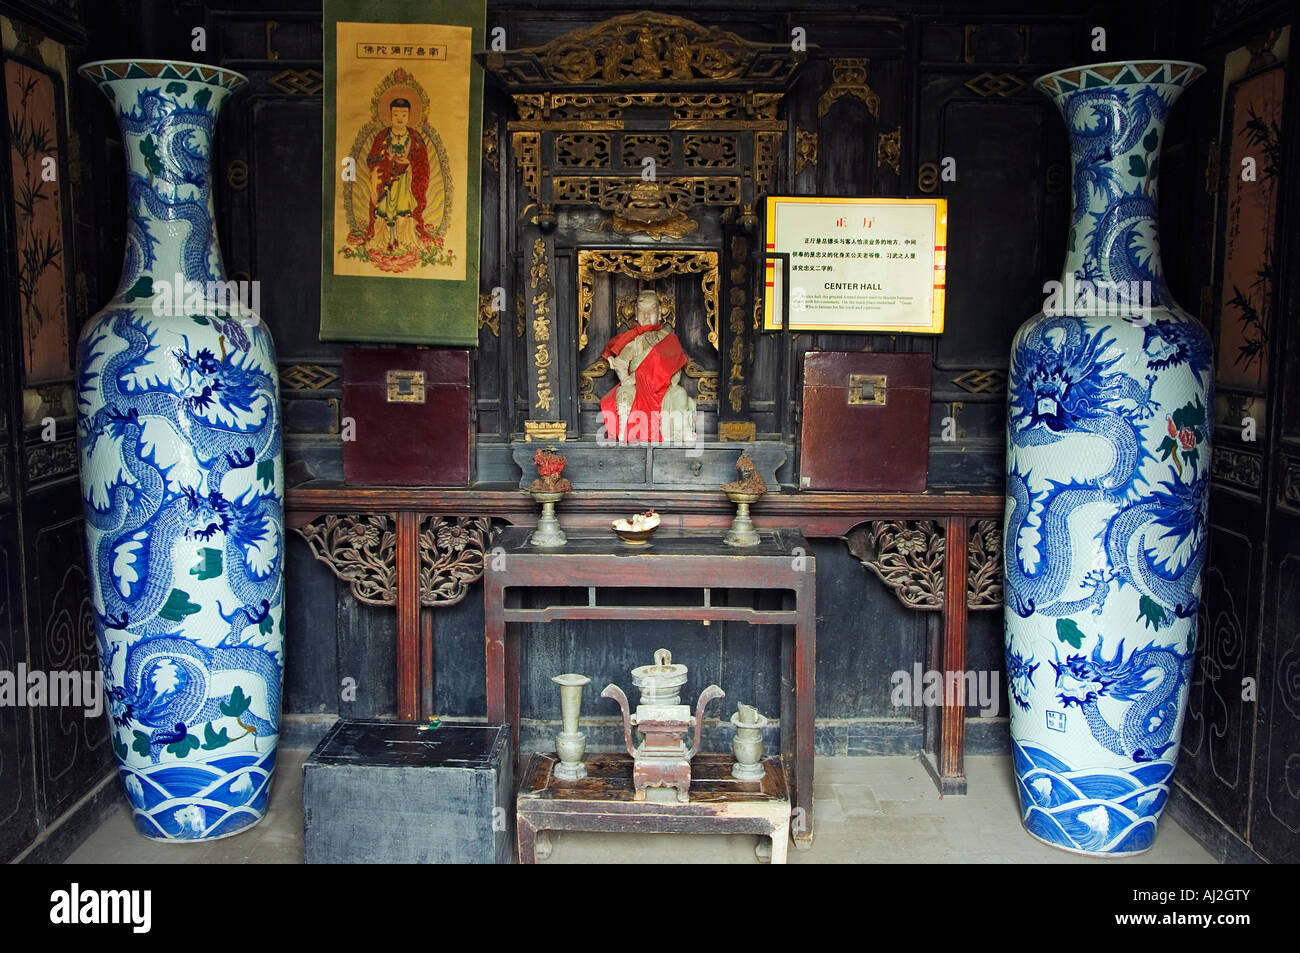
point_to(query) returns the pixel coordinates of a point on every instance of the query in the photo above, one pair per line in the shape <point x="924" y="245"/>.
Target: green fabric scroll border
<point x="401" y="310"/>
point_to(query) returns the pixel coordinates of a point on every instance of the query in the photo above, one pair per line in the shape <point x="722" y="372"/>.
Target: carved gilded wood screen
<point x="686" y="282"/>
<point x="647" y="129"/>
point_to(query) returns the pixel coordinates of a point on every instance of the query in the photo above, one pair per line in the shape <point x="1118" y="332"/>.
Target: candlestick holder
<point x="747" y="746"/>
<point x="570" y="743"/>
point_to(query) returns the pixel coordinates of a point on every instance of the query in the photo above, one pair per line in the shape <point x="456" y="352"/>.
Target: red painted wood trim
<point x="952" y="736"/>
<point x="408" y="614"/>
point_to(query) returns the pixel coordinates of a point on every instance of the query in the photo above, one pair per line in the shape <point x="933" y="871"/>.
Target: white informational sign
<point x="868" y="265"/>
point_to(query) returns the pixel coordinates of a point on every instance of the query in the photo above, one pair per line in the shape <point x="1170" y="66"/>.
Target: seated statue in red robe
<point x="648" y="404"/>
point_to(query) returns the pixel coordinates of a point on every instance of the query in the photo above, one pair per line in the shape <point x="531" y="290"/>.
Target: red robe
<point x="653" y="375"/>
<point x="417" y="160"/>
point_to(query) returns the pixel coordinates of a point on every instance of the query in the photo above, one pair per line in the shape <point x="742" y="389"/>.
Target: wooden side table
<point x="602" y="801"/>
<point x="672" y="559"/>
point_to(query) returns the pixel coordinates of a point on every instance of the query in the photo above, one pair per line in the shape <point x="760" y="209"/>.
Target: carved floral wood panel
<point x="908" y="557"/>
<point x="361" y="550"/>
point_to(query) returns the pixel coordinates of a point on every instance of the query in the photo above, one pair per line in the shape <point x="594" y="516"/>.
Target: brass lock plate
<point x="868" y="389"/>
<point x="406" y="387"/>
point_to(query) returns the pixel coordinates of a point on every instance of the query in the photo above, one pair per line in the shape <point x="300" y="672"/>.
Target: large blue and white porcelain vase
<point x="1108" y="458"/>
<point x="182" y="479"/>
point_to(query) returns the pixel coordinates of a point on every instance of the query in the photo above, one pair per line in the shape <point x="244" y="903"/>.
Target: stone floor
<point x="866" y="810"/>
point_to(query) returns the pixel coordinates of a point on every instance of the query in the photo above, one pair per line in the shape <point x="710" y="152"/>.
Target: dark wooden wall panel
<point x="1217" y="732"/>
<point x="18" y="819"/>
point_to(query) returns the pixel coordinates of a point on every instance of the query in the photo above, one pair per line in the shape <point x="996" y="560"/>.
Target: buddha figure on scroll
<point x="648" y="404"/>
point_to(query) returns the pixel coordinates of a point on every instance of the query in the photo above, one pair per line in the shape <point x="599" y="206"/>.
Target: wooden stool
<point x="602" y="801"/>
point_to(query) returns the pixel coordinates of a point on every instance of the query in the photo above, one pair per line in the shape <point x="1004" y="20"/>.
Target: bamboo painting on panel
<point x="35" y="156"/>
<point x="1255" y="112"/>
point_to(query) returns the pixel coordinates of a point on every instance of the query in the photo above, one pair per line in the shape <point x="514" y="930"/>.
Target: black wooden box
<point x="383" y="792"/>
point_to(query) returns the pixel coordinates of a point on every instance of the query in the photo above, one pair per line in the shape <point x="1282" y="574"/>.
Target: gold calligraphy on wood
<point x="539" y="277"/>
<point x="737" y="297"/>
<point x="849" y="78"/>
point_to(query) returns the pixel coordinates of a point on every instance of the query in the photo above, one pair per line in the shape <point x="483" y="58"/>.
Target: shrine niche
<point x="643" y="147"/>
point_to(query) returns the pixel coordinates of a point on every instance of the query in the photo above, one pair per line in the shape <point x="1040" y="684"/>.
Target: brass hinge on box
<point x="406" y="387"/>
<point x="868" y="389"/>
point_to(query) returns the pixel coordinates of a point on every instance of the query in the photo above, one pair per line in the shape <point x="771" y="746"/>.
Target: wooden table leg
<point x="512" y="650"/>
<point x="407" y="565"/>
<point x="805" y="689"/>
<point x="494" y="636"/>
<point x="952" y="731"/>
<point x="781" y="843"/>
<point x="527" y="840"/>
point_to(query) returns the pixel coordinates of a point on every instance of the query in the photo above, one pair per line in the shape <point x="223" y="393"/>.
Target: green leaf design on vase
<point x="212" y="740"/>
<point x="178" y="606"/>
<point x="236" y="705"/>
<point x="209" y="565"/>
<point x="149" y="152"/>
<point x="1068" y="632"/>
<point x="184" y="746"/>
<point x="1152" y="613"/>
<point x="143" y="288"/>
<point x="141" y="744"/>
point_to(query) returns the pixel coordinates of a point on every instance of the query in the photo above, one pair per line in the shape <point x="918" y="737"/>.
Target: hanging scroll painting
<point x="402" y="156"/>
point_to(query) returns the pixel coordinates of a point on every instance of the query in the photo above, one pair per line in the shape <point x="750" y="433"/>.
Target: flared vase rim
<point x="235" y="79"/>
<point x="1197" y="70"/>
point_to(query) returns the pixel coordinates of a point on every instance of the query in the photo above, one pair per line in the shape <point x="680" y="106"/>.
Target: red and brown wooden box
<point x="866" y="421"/>
<point x="411" y="413"/>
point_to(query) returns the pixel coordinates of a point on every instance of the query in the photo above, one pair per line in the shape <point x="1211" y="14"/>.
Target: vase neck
<point x="1116" y="123"/>
<point x="167" y="114"/>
